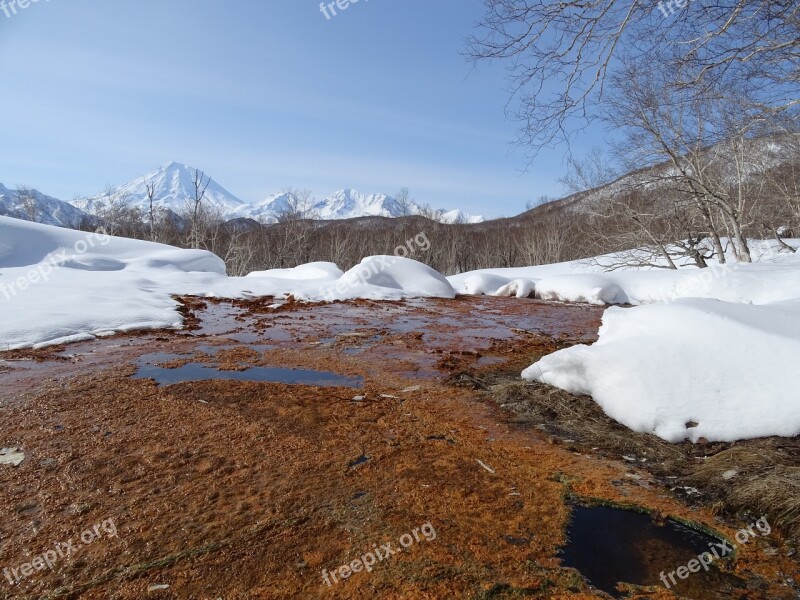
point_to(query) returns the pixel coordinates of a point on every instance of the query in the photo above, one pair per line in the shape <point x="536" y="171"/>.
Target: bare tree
<point x="706" y="143"/>
<point x="404" y="202"/>
<point x="112" y="212"/>
<point x="291" y="235"/>
<point x="152" y="209"/>
<point x="594" y="171"/>
<point x="200" y="184"/>
<point x="560" y="54"/>
<point x="27" y="198"/>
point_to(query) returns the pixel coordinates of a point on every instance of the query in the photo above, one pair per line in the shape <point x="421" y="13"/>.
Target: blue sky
<point x="262" y="96"/>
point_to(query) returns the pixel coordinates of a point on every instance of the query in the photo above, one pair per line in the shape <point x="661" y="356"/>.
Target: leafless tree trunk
<point x="150" y="190"/>
<point x="200" y="184"/>
<point x="27" y="197"/>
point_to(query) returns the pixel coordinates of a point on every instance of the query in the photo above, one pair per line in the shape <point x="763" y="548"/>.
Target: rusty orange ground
<point x="244" y="490"/>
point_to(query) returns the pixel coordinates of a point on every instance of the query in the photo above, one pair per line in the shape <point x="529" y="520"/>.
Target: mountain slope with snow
<point x="175" y="190"/>
<point x="39" y="208"/>
<point x="351" y="204"/>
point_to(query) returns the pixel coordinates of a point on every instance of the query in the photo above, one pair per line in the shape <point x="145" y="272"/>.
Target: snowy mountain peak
<point x="175" y="189"/>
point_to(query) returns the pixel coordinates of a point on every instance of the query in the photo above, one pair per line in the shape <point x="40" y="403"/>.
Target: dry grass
<point x="767" y="479"/>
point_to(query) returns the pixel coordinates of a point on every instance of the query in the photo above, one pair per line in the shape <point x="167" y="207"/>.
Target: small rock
<point x="359" y="398"/>
<point x="157" y="587"/>
<point x="730" y="474"/>
<point x="11" y="456"/>
<point x="413" y="388"/>
<point x="389" y="396"/>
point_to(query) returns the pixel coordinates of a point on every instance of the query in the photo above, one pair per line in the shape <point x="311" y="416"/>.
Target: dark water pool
<point x="609" y="545"/>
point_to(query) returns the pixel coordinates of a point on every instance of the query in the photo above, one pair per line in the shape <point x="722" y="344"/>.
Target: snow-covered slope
<point x="43" y="209"/>
<point x="459" y="216"/>
<point x="174" y="190"/>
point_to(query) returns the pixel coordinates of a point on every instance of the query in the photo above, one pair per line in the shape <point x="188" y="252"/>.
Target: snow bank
<point x="496" y="285"/>
<point x="376" y="274"/>
<point x="728" y="368"/>
<point x="317" y="270"/>
<point x="704" y="353"/>
<point x="59" y="285"/>
<point x="772" y="277"/>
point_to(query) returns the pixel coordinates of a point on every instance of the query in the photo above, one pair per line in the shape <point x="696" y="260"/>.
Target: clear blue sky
<point x="262" y="95"/>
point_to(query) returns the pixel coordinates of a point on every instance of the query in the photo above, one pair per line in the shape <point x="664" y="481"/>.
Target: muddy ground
<point x="255" y="489"/>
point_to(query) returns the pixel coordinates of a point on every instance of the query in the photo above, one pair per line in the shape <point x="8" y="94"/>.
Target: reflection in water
<point x="149" y="369"/>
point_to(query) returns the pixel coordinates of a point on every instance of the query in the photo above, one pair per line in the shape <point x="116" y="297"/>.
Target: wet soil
<point x="240" y="489"/>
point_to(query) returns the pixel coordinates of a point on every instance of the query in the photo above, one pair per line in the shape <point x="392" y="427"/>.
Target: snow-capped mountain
<point x="32" y="205"/>
<point x="350" y="204"/>
<point x="459" y="216"/>
<point x="174" y="190"/>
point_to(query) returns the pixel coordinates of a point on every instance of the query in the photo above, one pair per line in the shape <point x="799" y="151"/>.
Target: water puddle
<point x="271" y="334"/>
<point x="149" y="368"/>
<point x="214" y="350"/>
<point x="610" y="545"/>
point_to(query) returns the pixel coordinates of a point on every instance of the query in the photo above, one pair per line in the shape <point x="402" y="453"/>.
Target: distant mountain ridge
<point x="32" y="205"/>
<point x="175" y="189"/>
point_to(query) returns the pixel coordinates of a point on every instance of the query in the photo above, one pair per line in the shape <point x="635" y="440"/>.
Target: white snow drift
<point x="59" y="285"/>
<point x="695" y="368"/>
<point x="705" y="353"/>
